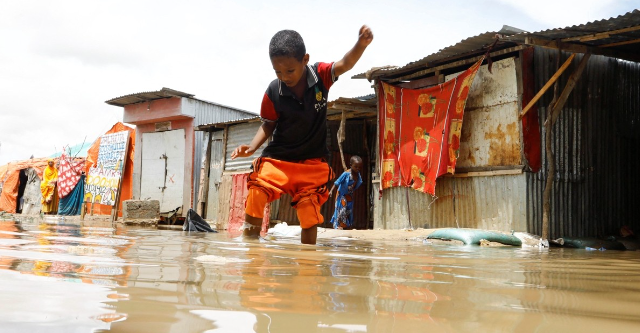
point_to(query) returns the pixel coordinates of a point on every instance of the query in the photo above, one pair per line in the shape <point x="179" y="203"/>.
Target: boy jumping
<point x="294" y="111"/>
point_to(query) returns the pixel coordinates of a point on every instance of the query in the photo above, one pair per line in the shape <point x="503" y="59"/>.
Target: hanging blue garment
<point x="72" y="203"/>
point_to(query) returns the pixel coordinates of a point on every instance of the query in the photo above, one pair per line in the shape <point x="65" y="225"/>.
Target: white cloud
<point x="564" y="13"/>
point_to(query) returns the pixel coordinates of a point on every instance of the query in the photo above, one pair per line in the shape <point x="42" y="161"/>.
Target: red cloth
<point x="69" y="174"/>
<point x="530" y="125"/>
<point x="420" y="131"/>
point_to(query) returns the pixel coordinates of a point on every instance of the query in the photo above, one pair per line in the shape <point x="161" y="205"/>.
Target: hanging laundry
<point x="70" y="171"/>
<point x="420" y="131"/>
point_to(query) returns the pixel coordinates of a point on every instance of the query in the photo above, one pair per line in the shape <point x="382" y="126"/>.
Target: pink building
<point x="168" y="158"/>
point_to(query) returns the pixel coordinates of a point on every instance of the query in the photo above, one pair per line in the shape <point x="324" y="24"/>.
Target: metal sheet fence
<point x="595" y="144"/>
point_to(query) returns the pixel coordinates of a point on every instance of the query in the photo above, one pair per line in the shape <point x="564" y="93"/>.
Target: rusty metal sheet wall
<point x="484" y="202"/>
<point x="490" y="130"/>
<point x="595" y="144"/>
<point x="224" y="204"/>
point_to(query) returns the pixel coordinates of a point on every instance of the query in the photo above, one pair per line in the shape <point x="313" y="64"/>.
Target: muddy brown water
<point x="65" y="276"/>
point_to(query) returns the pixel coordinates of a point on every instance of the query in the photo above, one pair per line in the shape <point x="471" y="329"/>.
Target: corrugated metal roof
<point x="465" y="47"/>
<point x="147" y="96"/>
<point x="362" y="106"/>
<point x="354" y="106"/>
<point x="621" y="33"/>
<point x="205" y="127"/>
<point x="616" y="34"/>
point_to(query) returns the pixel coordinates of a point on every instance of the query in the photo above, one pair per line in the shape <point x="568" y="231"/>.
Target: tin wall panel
<point x="490" y="130"/>
<point x="485" y="202"/>
<point x="239" y="134"/>
<point x="595" y="143"/>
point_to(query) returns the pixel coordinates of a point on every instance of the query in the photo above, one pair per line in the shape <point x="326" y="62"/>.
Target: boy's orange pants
<point x="306" y="181"/>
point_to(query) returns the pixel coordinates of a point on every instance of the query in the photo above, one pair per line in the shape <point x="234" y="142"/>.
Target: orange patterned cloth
<point x="420" y="131"/>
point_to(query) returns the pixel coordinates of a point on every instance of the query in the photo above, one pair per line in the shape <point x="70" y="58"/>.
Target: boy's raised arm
<point x="350" y="59"/>
<point x="264" y="132"/>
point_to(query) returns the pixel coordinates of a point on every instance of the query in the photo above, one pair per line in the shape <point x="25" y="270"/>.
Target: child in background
<point x="347" y="183"/>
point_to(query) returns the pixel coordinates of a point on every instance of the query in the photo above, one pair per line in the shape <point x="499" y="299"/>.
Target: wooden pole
<point x="367" y="168"/>
<point x="204" y="180"/>
<point x="341" y="138"/>
<point x="553" y="112"/>
<point x="571" y="83"/>
<point x="114" y="208"/>
<point x="544" y="89"/>
<point x="551" y="166"/>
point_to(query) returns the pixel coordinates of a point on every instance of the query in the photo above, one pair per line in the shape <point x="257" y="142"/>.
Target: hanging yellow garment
<point x="48" y="188"/>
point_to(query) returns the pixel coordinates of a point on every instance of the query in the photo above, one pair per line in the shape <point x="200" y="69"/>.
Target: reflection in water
<point x="59" y="277"/>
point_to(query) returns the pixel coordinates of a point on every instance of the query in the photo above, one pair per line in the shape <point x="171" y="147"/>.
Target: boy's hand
<point x="365" y="36"/>
<point x="242" y="151"/>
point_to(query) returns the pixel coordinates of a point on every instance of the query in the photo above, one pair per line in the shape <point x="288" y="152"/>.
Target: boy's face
<point x="289" y="70"/>
<point x="356" y="166"/>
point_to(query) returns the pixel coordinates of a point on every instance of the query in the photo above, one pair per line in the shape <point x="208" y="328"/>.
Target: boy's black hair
<point x="354" y="159"/>
<point x="287" y="43"/>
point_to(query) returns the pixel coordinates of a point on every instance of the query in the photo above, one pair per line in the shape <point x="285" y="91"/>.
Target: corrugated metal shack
<point x="502" y="167"/>
<point x="223" y="201"/>
<point x="168" y="150"/>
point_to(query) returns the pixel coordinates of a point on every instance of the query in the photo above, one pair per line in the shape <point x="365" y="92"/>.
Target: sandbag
<point x="194" y="222"/>
<point x="591" y="243"/>
<point x="473" y="236"/>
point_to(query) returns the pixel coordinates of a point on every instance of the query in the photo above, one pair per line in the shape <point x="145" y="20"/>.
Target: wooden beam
<point x="600" y="35"/>
<point x="351" y="107"/>
<point x="352" y="115"/>
<point x="578" y="48"/>
<point x="421" y="83"/>
<point x="626" y="42"/>
<point x="203" y="194"/>
<point x="489" y="168"/>
<point x="571" y="83"/>
<point x="486" y="173"/>
<point x="549" y="83"/>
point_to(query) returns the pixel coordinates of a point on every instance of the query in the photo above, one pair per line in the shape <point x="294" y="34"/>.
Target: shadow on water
<point x="62" y="276"/>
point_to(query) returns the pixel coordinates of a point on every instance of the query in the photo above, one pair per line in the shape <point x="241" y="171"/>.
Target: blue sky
<point x="61" y="60"/>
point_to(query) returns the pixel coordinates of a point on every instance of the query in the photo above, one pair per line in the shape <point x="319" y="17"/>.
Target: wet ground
<point x="71" y="276"/>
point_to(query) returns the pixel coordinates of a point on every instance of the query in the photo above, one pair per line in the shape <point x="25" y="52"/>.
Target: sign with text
<point x="103" y="180"/>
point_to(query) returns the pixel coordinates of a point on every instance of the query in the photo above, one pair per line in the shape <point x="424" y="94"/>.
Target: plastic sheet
<point x="194" y="222"/>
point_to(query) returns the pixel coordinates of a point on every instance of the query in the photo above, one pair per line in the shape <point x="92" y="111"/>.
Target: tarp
<point x="127" y="178"/>
<point x="420" y="131"/>
<point x="32" y="195"/>
<point x="72" y="203"/>
<point x="79" y="150"/>
<point x="194" y="222"/>
<point x="10" y="179"/>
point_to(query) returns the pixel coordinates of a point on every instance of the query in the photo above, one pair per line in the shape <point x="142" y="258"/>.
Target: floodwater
<point x="65" y="276"/>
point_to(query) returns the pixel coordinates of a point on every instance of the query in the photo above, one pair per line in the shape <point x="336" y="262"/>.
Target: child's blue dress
<point x="343" y="215"/>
